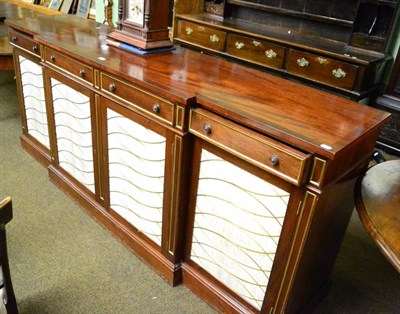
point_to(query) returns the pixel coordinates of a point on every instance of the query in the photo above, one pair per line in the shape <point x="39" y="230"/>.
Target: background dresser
<point x="337" y="45"/>
<point x="389" y="138"/>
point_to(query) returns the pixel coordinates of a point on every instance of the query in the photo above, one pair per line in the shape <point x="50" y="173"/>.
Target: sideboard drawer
<point x="24" y="42"/>
<point x="256" y="50"/>
<point x="71" y="66"/>
<point x="144" y="101"/>
<point x="322" y="69"/>
<point x="264" y="152"/>
<point x="204" y="36"/>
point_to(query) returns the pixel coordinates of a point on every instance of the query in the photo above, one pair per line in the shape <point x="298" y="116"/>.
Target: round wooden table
<point x="377" y="197"/>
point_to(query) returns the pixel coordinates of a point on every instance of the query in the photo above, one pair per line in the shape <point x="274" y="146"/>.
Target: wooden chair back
<point x="9" y="300"/>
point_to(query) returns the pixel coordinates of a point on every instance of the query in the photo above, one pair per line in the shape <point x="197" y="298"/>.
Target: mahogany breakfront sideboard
<point x="231" y="181"/>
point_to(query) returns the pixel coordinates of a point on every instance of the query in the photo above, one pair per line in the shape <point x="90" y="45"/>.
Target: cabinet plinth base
<point x="207" y="289"/>
<point x="169" y="271"/>
<point x="37" y="151"/>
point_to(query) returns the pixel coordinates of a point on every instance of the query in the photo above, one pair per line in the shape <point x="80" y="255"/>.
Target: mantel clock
<point x="143" y="24"/>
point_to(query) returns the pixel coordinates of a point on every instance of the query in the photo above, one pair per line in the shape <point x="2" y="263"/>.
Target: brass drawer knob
<point x="302" y="62"/>
<point x="82" y="73"/>
<point x="207" y="128"/>
<point x="239" y="45"/>
<point x="35" y="49"/>
<point x="270" y="54"/>
<point x="14" y="38"/>
<point x="256" y="43"/>
<point x="52" y="59"/>
<point x="214" y="38"/>
<point x="274" y="160"/>
<point x="156" y="108"/>
<point x="188" y="31"/>
<point x="321" y="60"/>
<point x="202" y="28"/>
<point x="112" y="87"/>
<point x="339" y="73"/>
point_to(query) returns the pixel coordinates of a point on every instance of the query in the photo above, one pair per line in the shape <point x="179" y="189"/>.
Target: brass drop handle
<point x="207" y="128"/>
<point x="188" y="31"/>
<point x="112" y="87"/>
<point x="239" y="45"/>
<point x="339" y="73"/>
<point x="156" y="108"/>
<point x="81" y="73"/>
<point x="270" y="54"/>
<point x="274" y="160"/>
<point x="35" y="49"/>
<point x="214" y="38"/>
<point x="302" y="62"/>
<point x="14" y="38"/>
<point x="52" y="59"/>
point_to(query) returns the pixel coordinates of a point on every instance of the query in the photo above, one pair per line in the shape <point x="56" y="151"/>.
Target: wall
<point x="100" y="11"/>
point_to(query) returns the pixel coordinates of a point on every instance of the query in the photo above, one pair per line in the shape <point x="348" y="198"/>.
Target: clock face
<point x="135" y="11"/>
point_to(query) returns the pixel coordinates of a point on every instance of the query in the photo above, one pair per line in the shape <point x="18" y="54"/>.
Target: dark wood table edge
<point x="370" y="228"/>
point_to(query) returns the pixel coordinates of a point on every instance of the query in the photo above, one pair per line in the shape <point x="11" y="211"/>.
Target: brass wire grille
<point x="136" y="158"/>
<point x="238" y="221"/>
<point x="72" y="118"/>
<point x="34" y="100"/>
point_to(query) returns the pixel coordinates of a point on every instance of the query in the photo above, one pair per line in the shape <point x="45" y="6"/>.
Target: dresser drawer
<point x="266" y="153"/>
<point x="322" y="69"/>
<point x="71" y="66"/>
<point x="201" y="35"/>
<point x="255" y="50"/>
<point x="24" y="42"/>
<point x="144" y="101"/>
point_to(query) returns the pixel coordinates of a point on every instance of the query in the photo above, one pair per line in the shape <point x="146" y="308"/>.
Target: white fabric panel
<point x="238" y="221"/>
<point x="74" y="132"/>
<point x="34" y="100"/>
<point x="136" y="166"/>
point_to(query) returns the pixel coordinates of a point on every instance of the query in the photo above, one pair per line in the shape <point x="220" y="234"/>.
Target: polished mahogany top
<point x="307" y="118"/>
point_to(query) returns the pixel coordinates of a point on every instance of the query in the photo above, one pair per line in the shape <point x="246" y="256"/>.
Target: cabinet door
<point x="136" y="164"/>
<point x="33" y="104"/>
<point x="143" y="162"/>
<point x="73" y="115"/>
<point x="242" y="221"/>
